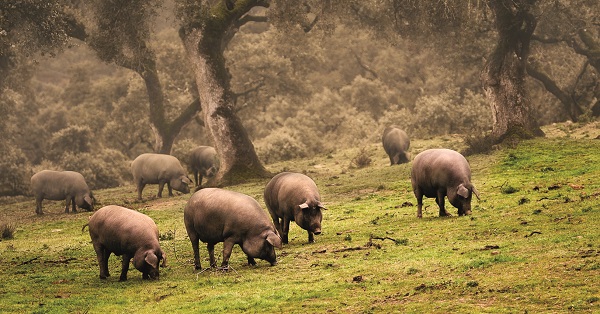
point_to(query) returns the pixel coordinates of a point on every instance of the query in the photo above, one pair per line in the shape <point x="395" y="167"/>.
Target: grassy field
<point x="532" y="244"/>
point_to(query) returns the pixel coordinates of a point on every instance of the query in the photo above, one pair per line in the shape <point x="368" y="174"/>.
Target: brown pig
<point x="438" y="173"/>
<point x="294" y="197"/>
<point x="395" y="143"/>
<point x="215" y="215"/>
<point x="122" y="231"/>
<point x="61" y="185"/>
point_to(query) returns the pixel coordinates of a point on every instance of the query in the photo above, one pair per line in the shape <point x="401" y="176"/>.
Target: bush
<point x="15" y="172"/>
<point x="108" y="168"/>
<point x="362" y="159"/>
<point x="7" y="231"/>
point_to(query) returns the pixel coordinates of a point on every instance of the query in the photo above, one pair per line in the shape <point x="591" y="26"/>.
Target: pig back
<point x="215" y="213"/>
<point x="57" y="185"/>
<point x="123" y="230"/>
<point x="434" y="169"/>
<point x="151" y="168"/>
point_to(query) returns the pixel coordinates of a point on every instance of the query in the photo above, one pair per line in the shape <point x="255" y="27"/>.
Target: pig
<point x="122" y="231"/>
<point x="159" y="169"/>
<point x="62" y="185"/>
<point x="396" y="143"/>
<point x="437" y="173"/>
<point x="204" y="161"/>
<point x="293" y="196"/>
<point x="215" y="215"/>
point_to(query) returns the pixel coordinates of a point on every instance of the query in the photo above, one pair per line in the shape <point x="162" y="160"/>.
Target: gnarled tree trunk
<point x="203" y="43"/>
<point x="504" y="73"/>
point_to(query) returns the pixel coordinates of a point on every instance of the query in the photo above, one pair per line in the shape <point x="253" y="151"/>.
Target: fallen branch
<point x="532" y="233"/>
<point x="29" y="261"/>
<point x="356" y="248"/>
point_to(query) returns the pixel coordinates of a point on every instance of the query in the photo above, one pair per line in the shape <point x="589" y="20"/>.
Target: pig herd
<point x="214" y="215"/>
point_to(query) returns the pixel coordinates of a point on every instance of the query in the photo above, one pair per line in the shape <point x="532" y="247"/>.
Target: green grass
<point x="535" y="250"/>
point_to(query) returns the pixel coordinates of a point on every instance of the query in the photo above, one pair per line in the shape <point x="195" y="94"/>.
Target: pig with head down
<point x="437" y="173"/>
<point x="215" y="215"/>
<point x="61" y="185"/>
<point x="159" y="169"/>
<point x="395" y="143"/>
<point x="293" y="196"/>
<point x="204" y="163"/>
<point x="122" y="231"/>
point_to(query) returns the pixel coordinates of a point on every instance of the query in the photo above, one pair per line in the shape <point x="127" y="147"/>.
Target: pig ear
<point x="274" y="240"/>
<point x="475" y="192"/>
<point x="463" y="191"/>
<point x="164" y="258"/>
<point x="88" y="200"/>
<point x="151" y="259"/>
<point x="303" y="205"/>
<point x="320" y="205"/>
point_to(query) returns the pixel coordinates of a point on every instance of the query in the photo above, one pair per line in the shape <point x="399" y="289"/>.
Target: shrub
<point x="7" y="231"/>
<point x="362" y="159"/>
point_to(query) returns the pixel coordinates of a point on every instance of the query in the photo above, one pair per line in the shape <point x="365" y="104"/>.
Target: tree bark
<point x="503" y="76"/>
<point x="203" y="43"/>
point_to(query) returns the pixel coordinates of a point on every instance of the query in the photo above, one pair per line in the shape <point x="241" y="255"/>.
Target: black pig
<point x="294" y="197"/>
<point x="215" y="215"/>
<point x="438" y="173"/>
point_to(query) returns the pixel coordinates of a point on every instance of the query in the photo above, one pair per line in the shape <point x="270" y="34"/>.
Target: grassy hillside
<point x="531" y="245"/>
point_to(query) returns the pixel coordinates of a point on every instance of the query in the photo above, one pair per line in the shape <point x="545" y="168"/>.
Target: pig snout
<point x="316" y="228"/>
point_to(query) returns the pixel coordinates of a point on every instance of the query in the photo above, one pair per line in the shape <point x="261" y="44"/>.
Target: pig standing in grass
<point x="61" y="185"/>
<point x="437" y="173"/>
<point x="204" y="161"/>
<point x="294" y="197"/>
<point x="122" y="231"/>
<point x="396" y="143"/>
<point x="159" y="169"/>
<point x="215" y="215"/>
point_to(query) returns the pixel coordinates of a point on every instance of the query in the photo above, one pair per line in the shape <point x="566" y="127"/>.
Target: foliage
<point x="374" y="255"/>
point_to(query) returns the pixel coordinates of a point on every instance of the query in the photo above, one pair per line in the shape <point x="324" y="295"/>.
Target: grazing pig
<point x="159" y="169"/>
<point x="294" y="197"/>
<point x="215" y="215"/>
<point x="438" y="173"/>
<point x="204" y="161"/>
<point x="122" y="231"/>
<point x="396" y="143"/>
<point x="61" y="185"/>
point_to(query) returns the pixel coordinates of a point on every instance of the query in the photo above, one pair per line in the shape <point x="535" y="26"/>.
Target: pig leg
<point x="227" y="248"/>
<point x="38" y="206"/>
<point x="419" y="197"/>
<point x="140" y="188"/>
<point x="124" y="267"/>
<point x="285" y="230"/>
<point x="441" y="203"/>
<point x="276" y="222"/>
<point x="170" y="189"/>
<point x="73" y="205"/>
<point x="311" y="237"/>
<point x="196" y="250"/>
<point x="251" y="261"/>
<point x="211" y="254"/>
<point x="102" y="254"/>
<point x="195" y="171"/>
<point x="200" y="180"/>
<point x="68" y="202"/>
<point x="161" y="186"/>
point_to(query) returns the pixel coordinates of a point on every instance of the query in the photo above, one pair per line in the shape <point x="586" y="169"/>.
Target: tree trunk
<point x="164" y="132"/>
<point x="236" y="152"/>
<point x="504" y="73"/>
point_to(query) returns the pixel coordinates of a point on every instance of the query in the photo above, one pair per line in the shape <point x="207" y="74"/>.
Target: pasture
<point x="532" y="244"/>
